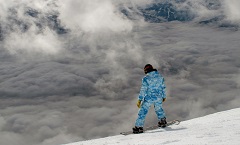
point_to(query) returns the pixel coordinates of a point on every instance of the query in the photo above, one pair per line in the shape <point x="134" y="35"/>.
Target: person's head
<point x="148" y="68"/>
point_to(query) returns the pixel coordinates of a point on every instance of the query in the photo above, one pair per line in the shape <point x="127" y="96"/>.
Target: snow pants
<point x="144" y="110"/>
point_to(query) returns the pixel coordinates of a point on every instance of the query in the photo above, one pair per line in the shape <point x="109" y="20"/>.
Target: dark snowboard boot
<point x="162" y="122"/>
<point x="137" y="130"/>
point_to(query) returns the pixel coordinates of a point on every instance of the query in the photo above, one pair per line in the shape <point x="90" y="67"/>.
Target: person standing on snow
<point x="153" y="92"/>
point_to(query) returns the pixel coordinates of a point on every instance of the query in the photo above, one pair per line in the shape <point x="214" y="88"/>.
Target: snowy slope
<point x="222" y="128"/>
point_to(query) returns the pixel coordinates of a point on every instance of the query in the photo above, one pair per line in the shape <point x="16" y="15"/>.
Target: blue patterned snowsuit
<point x="152" y="92"/>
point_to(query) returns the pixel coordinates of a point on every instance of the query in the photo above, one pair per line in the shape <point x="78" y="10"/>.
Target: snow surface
<point x="222" y="128"/>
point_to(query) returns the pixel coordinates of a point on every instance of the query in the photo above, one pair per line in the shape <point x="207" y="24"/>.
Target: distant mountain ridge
<point x="183" y="11"/>
<point x="157" y="12"/>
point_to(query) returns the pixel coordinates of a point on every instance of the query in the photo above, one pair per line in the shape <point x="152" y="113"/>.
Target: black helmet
<point x="148" y="68"/>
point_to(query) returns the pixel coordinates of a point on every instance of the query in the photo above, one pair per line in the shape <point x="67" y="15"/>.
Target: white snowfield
<point x="222" y="128"/>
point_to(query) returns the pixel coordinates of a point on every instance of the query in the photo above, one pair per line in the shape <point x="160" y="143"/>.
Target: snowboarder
<point x="153" y="91"/>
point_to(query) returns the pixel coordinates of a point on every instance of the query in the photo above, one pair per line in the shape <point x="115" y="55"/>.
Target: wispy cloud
<point x="231" y="10"/>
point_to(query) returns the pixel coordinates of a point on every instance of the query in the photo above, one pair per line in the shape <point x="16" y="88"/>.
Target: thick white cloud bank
<point x="71" y="70"/>
<point x="232" y="10"/>
<point x="93" y="16"/>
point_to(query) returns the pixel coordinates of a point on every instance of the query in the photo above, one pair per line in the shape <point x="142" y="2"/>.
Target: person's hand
<point x="164" y="99"/>
<point x="139" y="103"/>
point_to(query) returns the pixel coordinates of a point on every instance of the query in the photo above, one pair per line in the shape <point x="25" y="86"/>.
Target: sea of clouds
<point x="71" y="70"/>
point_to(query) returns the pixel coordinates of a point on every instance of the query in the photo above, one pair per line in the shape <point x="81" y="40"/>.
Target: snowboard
<point x="173" y="122"/>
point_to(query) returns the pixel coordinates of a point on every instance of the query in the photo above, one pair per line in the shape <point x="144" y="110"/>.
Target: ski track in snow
<point x="222" y="128"/>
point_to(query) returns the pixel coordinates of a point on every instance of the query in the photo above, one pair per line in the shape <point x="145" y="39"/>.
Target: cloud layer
<point x="72" y="70"/>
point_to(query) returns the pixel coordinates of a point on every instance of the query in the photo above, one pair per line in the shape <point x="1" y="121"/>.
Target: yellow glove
<point x="164" y="99"/>
<point x="139" y="103"/>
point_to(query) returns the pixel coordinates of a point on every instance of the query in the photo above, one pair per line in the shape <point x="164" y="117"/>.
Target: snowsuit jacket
<point x="153" y="87"/>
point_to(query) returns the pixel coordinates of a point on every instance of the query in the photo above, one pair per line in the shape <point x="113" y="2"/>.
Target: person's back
<point x="156" y="87"/>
